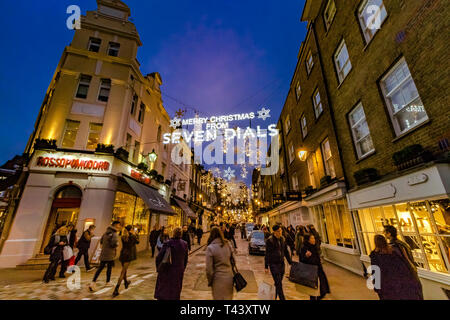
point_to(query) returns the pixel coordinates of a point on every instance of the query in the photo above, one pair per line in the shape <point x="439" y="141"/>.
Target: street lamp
<point x="302" y="155"/>
<point x="152" y="158"/>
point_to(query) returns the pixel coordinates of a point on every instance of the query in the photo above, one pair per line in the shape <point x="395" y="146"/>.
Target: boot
<point x="116" y="292"/>
<point x="127" y="283"/>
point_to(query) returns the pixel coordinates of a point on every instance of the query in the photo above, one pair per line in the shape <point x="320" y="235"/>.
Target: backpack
<point x="49" y="248"/>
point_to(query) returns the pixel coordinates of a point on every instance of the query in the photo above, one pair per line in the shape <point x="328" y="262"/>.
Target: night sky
<point x="216" y="56"/>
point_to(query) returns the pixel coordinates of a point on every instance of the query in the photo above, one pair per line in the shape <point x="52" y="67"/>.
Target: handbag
<point x="166" y="261"/>
<point x="238" y="280"/>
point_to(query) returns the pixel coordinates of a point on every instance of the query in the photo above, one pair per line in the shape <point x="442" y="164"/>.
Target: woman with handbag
<point x="309" y="254"/>
<point x="171" y="263"/>
<point x="219" y="270"/>
<point x="55" y="248"/>
<point x="127" y="254"/>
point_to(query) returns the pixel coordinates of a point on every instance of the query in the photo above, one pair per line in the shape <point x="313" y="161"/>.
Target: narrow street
<point x="20" y="284"/>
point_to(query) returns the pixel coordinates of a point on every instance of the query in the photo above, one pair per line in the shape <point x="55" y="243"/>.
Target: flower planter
<point x="45" y="144"/>
<point x="105" y="149"/>
<point x="122" y="154"/>
<point x="324" y="181"/>
<point x="365" y="176"/>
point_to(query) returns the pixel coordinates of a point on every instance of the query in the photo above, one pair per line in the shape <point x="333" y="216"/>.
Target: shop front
<point x="331" y="216"/>
<point x="186" y="212"/>
<point x="417" y="204"/>
<point x="83" y="189"/>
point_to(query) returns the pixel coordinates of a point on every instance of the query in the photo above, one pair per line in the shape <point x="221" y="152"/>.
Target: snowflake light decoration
<point x="229" y="174"/>
<point x="180" y="113"/>
<point x="244" y="172"/>
<point x="264" y="114"/>
<point x="175" y="123"/>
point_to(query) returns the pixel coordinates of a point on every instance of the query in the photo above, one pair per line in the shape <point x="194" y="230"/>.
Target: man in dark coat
<point x="170" y="280"/>
<point x="153" y="238"/>
<point x="199" y="234"/>
<point x="186" y="237"/>
<point x="83" y="246"/>
<point x="276" y="251"/>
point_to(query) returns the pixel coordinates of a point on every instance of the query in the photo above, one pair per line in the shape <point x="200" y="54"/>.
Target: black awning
<point x="151" y="197"/>
<point x="183" y="205"/>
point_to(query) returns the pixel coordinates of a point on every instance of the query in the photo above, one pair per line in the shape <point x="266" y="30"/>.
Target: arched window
<point x="69" y="192"/>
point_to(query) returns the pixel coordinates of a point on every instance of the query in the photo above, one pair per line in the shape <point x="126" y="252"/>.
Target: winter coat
<point x="298" y="242"/>
<point x="73" y="238"/>
<point x="219" y="272"/>
<point x="153" y="239"/>
<point x="161" y="240"/>
<point x="276" y="250"/>
<point x="396" y="280"/>
<point x="84" y="243"/>
<point x="199" y="232"/>
<point x="186" y="237"/>
<point x="315" y="260"/>
<point x="109" y="242"/>
<point x="57" y="249"/>
<point x="170" y="281"/>
<point x="128" y="252"/>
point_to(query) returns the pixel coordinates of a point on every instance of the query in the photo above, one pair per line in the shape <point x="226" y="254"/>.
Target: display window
<point x="423" y="225"/>
<point x="131" y="210"/>
<point x="336" y="224"/>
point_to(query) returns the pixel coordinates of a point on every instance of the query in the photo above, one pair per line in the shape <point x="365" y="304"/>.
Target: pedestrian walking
<point x="109" y="243"/>
<point x="228" y="234"/>
<point x="309" y="254"/>
<point x="153" y="238"/>
<point x="55" y="247"/>
<point x="83" y="246"/>
<point x="390" y="232"/>
<point x="199" y="234"/>
<point x="219" y="272"/>
<point x="127" y="254"/>
<point x="276" y="251"/>
<point x="162" y="238"/>
<point x="186" y="237"/>
<point x="243" y="231"/>
<point x="312" y="230"/>
<point x="396" y="280"/>
<point x="290" y="239"/>
<point x="170" y="280"/>
<point x="72" y="241"/>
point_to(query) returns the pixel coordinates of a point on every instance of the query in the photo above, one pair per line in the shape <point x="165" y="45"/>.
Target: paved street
<point x="27" y="285"/>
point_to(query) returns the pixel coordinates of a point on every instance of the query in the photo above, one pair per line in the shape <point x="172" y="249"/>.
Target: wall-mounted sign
<point x="60" y="161"/>
<point x="293" y="196"/>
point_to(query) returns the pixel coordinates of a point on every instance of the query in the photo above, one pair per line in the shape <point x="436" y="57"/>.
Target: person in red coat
<point x="170" y="280"/>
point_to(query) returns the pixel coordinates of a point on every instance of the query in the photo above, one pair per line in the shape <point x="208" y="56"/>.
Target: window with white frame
<point x="70" y="134"/>
<point x="291" y="153"/>
<point x="329" y="13"/>
<point x="371" y="15"/>
<point x="105" y="88"/>
<point x="294" y="182"/>
<point x="303" y="126"/>
<point x="360" y="131"/>
<point x="94" y="44"/>
<point x="113" y="49"/>
<point x="310" y="164"/>
<point x="309" y="62"/>
<point x="83" y="86"/>
<point x="328" y="158"/>
<point x="405" y="106"/>
<point x="298" y="90"/>
<point x="342" y="61"/>
<point x="317" y="102"/>
<point x="95" y="129"/>
<point x="287" y="124"/>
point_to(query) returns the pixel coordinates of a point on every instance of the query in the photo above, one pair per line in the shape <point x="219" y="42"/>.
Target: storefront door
<point x="65" y="209"/>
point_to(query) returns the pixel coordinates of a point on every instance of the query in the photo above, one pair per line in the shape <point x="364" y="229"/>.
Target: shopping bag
<point x="72" y="261"/>
<point x="67" y="253"/>
<point x="306" y="278"/>
<point x="266" y="291"/>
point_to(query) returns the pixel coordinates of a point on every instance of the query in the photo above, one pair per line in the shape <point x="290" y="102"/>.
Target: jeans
<point x="51" y="271"/>
<point x="153" y="249"/>
<point x="277" y="271"/>
<point x="83" y="252"/>
<point x="110" y="265"/>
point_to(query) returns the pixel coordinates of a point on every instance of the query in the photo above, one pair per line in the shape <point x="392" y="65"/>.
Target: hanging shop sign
<point x="71" y="162"/>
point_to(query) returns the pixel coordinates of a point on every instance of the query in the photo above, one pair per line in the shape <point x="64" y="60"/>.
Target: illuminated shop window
<point x="404" y="104"/>
<point x="335" y="219"/>
<point x="131" y="210"/>
<point x="423" y="225"/>
<point x="70" y="133"/>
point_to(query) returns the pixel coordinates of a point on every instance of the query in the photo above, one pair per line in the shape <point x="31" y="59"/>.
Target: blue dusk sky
<point x="219" y="56"/>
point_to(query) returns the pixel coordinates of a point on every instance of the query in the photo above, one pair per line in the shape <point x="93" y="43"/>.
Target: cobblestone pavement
<point x="142" y="273"/>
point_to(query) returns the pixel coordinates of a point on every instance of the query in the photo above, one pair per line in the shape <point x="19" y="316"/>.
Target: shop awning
<point x="151" y="197"/>
<point x="184" y="206"/>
